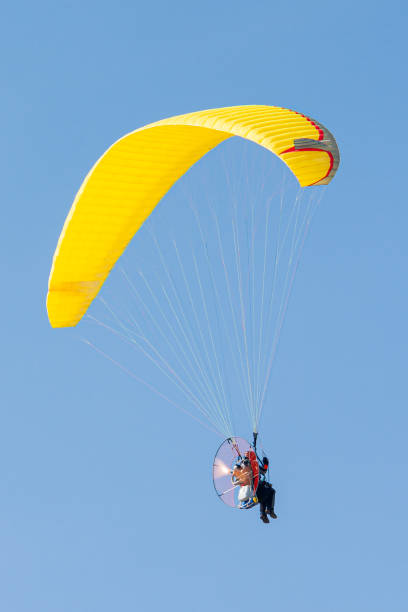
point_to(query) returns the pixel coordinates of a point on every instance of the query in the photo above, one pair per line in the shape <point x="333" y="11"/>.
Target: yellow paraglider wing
<point x="132" y="176"/>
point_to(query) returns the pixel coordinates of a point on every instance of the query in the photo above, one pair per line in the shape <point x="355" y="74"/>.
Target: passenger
<point x="265" y="494"/>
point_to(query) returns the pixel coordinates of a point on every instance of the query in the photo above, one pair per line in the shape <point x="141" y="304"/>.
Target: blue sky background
<point x="76" y="530"/>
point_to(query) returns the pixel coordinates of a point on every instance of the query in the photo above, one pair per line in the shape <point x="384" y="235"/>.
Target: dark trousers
<point x="266" y="497"/>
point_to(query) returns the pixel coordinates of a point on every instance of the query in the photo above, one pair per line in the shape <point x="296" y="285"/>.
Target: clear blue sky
<point x="76" y="531"/>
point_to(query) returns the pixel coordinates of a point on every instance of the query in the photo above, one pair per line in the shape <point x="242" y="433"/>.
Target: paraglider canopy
<point x="209" y="317"/>
<point x="132" y="176"/>
<point x="236" y="473"/>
